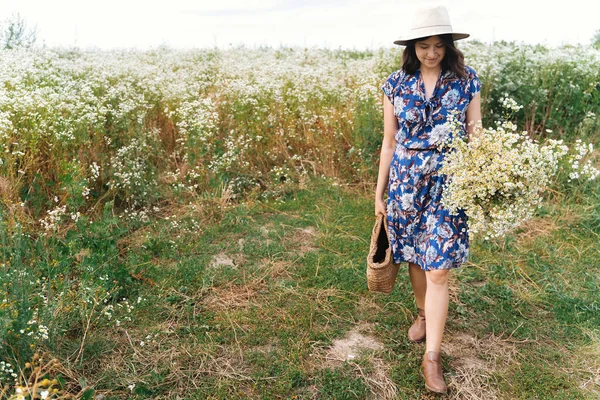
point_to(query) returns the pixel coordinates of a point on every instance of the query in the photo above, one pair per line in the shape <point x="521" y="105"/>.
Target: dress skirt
<point x="421" y="229"/>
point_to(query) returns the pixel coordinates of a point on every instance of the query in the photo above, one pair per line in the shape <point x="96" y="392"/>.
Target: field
<point x="194" y="225"/>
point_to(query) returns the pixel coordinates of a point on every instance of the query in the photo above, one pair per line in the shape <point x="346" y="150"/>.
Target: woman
<point x="432" y="84"/>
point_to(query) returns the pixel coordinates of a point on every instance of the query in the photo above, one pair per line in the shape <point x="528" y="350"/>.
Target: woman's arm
<point x="390" y="127"/>
<point x="473" y="115"/>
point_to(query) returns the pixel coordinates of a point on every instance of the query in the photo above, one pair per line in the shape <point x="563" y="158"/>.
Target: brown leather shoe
<point x="416" y="333"/>
<point x="432" y="372"/>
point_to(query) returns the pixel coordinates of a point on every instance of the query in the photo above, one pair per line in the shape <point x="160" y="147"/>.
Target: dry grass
<point x="221" y="260"/>
<point x="135" y="239"/>
<point x="535" y="228"/>
<point x="277" y="268"/>
<point x="184" y="361"/>
<point x="475" y="362"/>
<point x="454" y="289"/>
<point x="368" y="306"/>
<point x="165" y="130"/>
<point x="231" y="296"/>
<point x="360" y="343"/>
<point x="542" y="227"/>
<point x="587" y="362"/>
<point x="10" y="203"/>
<point x="6" y="194"/>
<point x="381" y="387"/>
<point x="302" y="240"/>
<point x="39" y="375"/>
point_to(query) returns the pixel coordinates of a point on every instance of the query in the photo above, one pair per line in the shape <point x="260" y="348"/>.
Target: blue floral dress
<point x="421" y="229"/>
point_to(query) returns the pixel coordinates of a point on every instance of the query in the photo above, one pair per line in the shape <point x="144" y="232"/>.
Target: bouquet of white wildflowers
<point x="498" y="175"/>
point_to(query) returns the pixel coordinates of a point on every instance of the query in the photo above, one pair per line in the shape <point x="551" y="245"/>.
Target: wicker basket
<point x="381" y="270"/>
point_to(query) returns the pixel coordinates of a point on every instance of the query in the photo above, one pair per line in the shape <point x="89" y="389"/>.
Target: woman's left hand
<point x="379" y="207"/>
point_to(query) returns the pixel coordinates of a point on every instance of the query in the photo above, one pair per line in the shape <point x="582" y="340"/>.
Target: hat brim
<point x="455" y="36"/>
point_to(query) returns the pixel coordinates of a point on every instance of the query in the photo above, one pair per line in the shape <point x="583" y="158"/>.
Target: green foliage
<point x="292" y="282"/>
<point x="557" y="87"/>
<point x="14" y="33"/>
<point x="341" y="384"/>
<point x="58" y="288"/>
<point x="596" y="39"/>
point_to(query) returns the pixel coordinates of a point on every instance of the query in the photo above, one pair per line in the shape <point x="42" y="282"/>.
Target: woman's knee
<point x="437" y="277"/>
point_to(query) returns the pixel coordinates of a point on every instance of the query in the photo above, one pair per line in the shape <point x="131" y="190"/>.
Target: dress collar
<point x="421" y="85"/>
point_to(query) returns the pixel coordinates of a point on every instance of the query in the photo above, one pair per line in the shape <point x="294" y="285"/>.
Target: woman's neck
<point x="430" y="72"/>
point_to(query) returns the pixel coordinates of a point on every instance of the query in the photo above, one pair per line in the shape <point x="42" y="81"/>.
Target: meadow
<point x="194" y="225"/>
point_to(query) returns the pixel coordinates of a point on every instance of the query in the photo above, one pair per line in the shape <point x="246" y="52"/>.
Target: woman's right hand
<point x="379" y="207"/>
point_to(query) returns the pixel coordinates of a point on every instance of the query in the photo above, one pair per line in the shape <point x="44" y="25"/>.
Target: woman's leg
<point x="436" y="311"/>
<point x="417" y="331"/>
<point x="436" y="307"/>
<point x="419" y="283"/>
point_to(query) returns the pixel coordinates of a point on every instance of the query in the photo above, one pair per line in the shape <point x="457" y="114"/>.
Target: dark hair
<point x="454" y="60"/>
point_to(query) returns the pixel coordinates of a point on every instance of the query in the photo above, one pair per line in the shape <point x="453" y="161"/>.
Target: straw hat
<point x="430" y="21"/>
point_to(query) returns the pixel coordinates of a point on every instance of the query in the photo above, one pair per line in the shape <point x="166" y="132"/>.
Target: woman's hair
<point x="454" y="60"/>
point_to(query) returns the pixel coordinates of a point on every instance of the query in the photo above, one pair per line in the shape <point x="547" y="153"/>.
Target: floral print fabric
<point x="421" y="229"/>
<point x="421" y="122"/>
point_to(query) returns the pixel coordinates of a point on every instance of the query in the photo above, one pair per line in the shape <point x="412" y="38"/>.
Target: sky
<point x="348" y="24"/>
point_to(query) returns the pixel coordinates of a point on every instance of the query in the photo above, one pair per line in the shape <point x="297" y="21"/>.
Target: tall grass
<point x="79" y="129"/>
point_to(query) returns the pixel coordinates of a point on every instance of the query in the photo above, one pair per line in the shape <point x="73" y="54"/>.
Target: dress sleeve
<point x="390" y="87"/>
<point x="474" y="84"/>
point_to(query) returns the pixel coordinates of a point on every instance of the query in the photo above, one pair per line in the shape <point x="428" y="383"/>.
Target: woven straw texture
<point x="381" y="270"/>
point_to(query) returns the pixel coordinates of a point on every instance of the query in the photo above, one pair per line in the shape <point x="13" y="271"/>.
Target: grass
<point x="247" y="280"/>
<point x="252" y="304"/>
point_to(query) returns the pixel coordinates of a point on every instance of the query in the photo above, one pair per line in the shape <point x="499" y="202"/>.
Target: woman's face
<point x="430" y="52"/>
